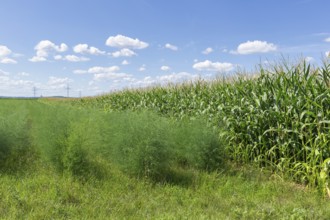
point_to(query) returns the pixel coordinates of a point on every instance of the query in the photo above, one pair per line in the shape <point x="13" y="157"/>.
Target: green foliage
<point x="16" y="150"/>
<point x="240" y="193"/>
<point x="147" y="145"/>
<point x="143" y="144"/>
<point x="65" y="137"/>
<point x="279" y="119"/>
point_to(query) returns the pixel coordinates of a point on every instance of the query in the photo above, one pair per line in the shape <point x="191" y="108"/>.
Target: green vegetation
<point x="279" y="119"/>
<point x="244" y="149"/>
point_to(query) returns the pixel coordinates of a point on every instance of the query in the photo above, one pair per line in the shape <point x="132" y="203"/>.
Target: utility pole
<point x="34" y="91"/>
<point x="67" y="90"/>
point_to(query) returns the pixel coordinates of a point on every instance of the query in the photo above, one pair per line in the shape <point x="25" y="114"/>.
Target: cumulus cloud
<point x="37" y="59"/>
<point x="4" y="53"/>
<point x="142" y="68"/>
<point x="171" y="47"/>
<point x="121" y="41"/>
<point x="110" y="76"/>
<point x="24" y="74"/>
<point x="15" y="86"/>
<point x="125" y="62"/>
<point x="57" y="82"/>
<point x="44" y="48"/>
<point x="165" y="68"/>
<point x="207" y="51"/>
<point x="213" y="66"/>
<point x="125" y="52"/>
<point x="256" y="46"/>
<point x="85" y="49"/>
<point x="7" y="60"/>
<point x="309" y="59"/>
<point x="3" y="73"/>
<point x="164" y="79"/>
<point x="58" y="57"/>
<point x="104" y="73"/>
<point x="100" y="69"/>
<point x="71" y="58"/>
<point x="177" y="77"/>
<point x="327" y="39"/>
<point x="80" y="71"/>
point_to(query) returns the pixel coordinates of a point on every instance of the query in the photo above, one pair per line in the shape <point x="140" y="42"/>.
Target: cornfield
<point x="278" y="120"/>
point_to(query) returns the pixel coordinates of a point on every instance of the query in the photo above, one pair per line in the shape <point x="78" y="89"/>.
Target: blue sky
<point x="97" y="46"/>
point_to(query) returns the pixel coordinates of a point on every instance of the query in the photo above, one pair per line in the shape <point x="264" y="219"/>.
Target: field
<point x="239" y="148"/>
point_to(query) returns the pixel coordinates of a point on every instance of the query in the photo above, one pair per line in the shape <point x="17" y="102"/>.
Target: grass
<point x="239" y="194"/>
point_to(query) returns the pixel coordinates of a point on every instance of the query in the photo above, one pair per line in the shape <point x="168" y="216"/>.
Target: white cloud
<point x="213" y="66"/>
<point x="80" y="71"/>
<point x="85" y="49"/>
<point x="37" y="59"/>
<point x="57" y="83"/>
<point x="7" y="60"/>
<point x="110" y="76"/>
<point x="207" y="51"/>
<point x="256" y="46"/>
<point x="177" y="77"/>
<point x="104" y="73"/>
<point x="121" y="41"/>
<point x="165" y="68"/>
<point x="164" y="79"/>
<point x="327" y="39"/>
<point x="14" y="86"/>
<point x="142" y="68"/>
<point x="73" y="58"/>
<point x="16" y="55"/>
<point x="4" y="53"/>
<point x="125" y="52"/>
<point x="44" y="47"/>
<point x="24" y="74"/>
<point x="56" y="80"/>
<point x="171" y="47"/>
<point x="309" y="59"/>
<point x="58" y="57"/>
<point x="327" y="54"/>
<point x="125" y="62"/>
<point x="100" y="69"/>
<point x="3" y="73"/>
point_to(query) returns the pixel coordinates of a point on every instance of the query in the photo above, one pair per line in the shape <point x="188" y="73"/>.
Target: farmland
<point x="239" y="148"/>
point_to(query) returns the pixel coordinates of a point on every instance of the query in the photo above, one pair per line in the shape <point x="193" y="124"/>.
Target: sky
<point x="91" y="47"/>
